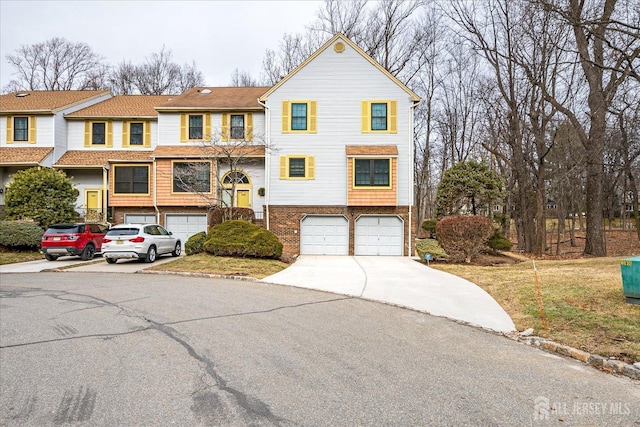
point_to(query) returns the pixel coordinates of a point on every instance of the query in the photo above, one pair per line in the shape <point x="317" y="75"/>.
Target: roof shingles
<point x="23" y="155"/>
<point x="79" y="158"/>
<point x="217" y="98"/>
<point x="45" y="101"/>
<point x="130" y="106"/>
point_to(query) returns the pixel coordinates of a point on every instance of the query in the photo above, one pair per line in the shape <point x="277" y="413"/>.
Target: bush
<point x="430" y="246"/>
<point x="20" y="235"/>
<point x="499" y="242"/>
<point x="220" y="215"/>
<point x="463" y="236"/>
<point x="242" y="239"/>
<point x="194" y="244"/>
<point x="429" y="225"/>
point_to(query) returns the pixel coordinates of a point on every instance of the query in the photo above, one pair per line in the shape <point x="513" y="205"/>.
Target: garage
<point x="379" y="235"/>
<point x="139" y="219"/>
<point x="184" y="226"/>
<point x="324" y="235"/>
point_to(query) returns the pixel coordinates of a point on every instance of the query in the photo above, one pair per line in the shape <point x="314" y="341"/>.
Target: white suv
<point x="139" y="241"/>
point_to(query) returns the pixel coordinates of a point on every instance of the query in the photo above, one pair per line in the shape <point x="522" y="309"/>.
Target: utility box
<point x="630" y="269"/>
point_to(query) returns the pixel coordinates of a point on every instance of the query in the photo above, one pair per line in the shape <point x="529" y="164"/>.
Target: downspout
<point x="105" y="191"/>
<point x="155" y="172"/>
<point x="267" y="160"/>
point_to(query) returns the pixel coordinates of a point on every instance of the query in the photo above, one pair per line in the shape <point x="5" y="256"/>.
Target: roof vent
<point x="205" y="91"/>
<point x="21" y="94"/>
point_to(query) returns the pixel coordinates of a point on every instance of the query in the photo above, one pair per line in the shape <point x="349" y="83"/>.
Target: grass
<point x="209" y="264"/>
<point x="13" y="257"/>
<point x="583" y="302"/>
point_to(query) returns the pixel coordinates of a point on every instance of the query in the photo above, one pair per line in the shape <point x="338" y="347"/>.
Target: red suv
<point x="73" y="239"/>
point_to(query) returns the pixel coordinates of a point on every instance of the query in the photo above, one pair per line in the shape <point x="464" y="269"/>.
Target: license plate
<point x="56" y="238"/>
<point x="119" y="242"/>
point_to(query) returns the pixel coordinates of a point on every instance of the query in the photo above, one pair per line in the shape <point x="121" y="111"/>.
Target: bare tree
<point x="57" y="64"/>
<point x="242" y="79"/>
<point x="606" y="34"/>
<point x="123" y="79"/>
<point x="159" y="75"/>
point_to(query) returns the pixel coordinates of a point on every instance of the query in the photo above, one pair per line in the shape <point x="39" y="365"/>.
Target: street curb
<point x="611" y="366"/>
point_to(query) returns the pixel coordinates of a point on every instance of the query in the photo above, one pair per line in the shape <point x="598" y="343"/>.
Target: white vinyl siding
<point x="171" y="134"/>
<point x="339" y="83"/>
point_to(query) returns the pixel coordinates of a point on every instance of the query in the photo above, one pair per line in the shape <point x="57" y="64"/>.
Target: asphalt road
<point x="153" y="350"/>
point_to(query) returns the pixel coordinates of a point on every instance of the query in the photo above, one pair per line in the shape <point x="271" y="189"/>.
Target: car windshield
<point x="63" y="229"/>
<point x="131" y="231"/>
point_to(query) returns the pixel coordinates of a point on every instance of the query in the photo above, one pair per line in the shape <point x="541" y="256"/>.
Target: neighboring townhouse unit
<point x="109" y="142"/>
<point x="210" y="153"/>
<point x="33" y="130"/>
<point x="340" y="167"/>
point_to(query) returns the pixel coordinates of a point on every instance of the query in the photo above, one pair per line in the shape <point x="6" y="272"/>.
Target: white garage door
<point x="139" y="218"/>
<point x="324" y="235"/>
<point x="185" y="226"/>
<point x="379" y="235"/>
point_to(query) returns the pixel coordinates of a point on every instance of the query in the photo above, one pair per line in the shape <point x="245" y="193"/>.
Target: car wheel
<point x="151" y="254"/>
<point x="111" y="260"/>
<point x="88" y="252"/>
<point x="177" y="250"/>
<point x="50" y="257"/>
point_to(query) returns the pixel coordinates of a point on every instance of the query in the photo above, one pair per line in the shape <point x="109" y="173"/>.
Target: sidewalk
<point x="399" y="281"/>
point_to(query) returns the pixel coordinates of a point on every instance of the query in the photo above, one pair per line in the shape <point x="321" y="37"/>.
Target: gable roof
<point x="330" y="42"/>
<point x="126" y="106"/>
<point x="46" y="101"/>
<point x="216" y="98"/>
<point x="10" y="156"/>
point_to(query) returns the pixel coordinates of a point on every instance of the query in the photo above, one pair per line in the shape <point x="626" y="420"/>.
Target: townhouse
<point x="323" y="158"/>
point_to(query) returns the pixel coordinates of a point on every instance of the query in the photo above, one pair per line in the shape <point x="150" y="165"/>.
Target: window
<point x="191" y="177"/>
<point x="237" y="126"/>
<point x="372" y="172"/>
<point x="297" y="167"/>
<point x="136" y="133"/>
<point x="299" y="116"/>
<point x="20" y="128"/>
<point x="379" y="116"/>
<point x="131" y="179"/>
<point x="195" y="127"/>
<point x="235" y="177"/>
<point x="98" y="134"/>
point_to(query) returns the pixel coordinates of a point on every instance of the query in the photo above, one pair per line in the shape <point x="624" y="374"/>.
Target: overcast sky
<point x="218" y="35"/>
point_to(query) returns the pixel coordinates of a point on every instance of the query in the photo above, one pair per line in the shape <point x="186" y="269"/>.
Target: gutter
<point x="410" y="169"/>
<point x="267" y="161"/>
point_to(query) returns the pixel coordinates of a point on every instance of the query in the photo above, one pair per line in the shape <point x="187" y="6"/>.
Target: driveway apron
<point x="400" y="281"/>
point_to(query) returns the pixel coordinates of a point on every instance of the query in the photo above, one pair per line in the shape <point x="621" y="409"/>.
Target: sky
<point x="219" y="36"/>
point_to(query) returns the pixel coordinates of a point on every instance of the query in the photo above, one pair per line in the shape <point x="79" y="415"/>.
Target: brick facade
<point x="285" y="222"/>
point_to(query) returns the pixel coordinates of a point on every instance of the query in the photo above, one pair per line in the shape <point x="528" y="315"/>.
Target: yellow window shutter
<point x="87" y="133"/>
<point x="224" y="134"/>
<point x="393" y="116"/>
<point x="283" y="167"/>
<point x="32" y="129"/>
<point x="9" y="129"/>
<point x="286" y="123"/>
<point x="147" y="134"/>
<point x="183" y="128"/>
<point x="109" y="135"/>
<point x="125" y="133"/>
<point x="311" y="168"/>
<point x="206" y="132"/>
<point x="366" y="114"/>
<point x="313" y="105"/>
<point x="249" y="133"/>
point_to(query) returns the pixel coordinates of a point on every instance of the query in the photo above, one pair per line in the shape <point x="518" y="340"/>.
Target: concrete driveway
<point x="400" y="281"/>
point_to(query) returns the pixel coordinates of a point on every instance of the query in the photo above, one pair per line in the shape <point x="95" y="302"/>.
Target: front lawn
<point x="583" y="302"/>
<point x="13" y="257"/>
<point x="210" y="264"/>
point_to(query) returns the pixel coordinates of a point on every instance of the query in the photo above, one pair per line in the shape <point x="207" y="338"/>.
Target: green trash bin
<point x="630" y="269"/>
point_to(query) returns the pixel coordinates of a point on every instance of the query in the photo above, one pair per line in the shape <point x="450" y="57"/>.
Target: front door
<point x="242" y="198"/>
<point x="93" y="205"/>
